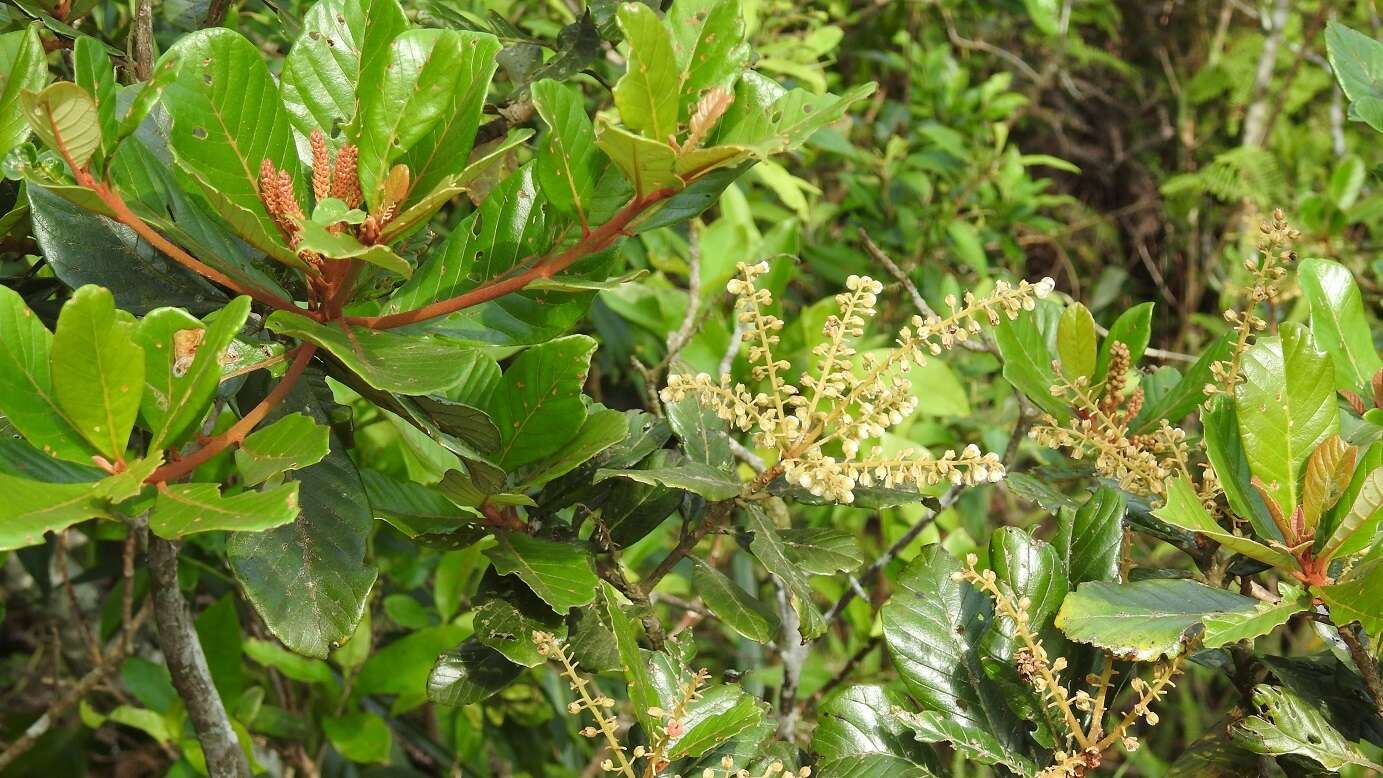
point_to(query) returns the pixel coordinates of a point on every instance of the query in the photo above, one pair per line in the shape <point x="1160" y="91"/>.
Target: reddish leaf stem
<point x="594" y="241"/>
<point x="240" y="429"/>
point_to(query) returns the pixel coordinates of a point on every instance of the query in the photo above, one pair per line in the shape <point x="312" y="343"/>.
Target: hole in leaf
<point x="199" y="133"/>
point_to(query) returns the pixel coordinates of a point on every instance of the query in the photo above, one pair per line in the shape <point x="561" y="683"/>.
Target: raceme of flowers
<point x="847" y="399"/>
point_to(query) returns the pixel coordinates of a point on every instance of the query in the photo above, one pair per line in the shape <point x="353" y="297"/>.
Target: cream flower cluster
<point x="849" y="398"/>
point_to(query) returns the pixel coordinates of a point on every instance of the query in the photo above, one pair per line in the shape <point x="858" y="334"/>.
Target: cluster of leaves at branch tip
<point x="852" y="398"/>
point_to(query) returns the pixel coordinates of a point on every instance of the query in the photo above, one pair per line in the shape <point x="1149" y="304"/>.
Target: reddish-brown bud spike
<point x="345" y="180"/>
<point x="321" y="166"/>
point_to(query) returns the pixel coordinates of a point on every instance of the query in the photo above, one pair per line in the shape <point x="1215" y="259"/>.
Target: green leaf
<point x="296" y="667"/>
<point x="709" y="39"/>
<point x="1028" y="363"/>
<point x="507" y="625"/>
<point x="31" y="508"/>
<point x="602" y="429"/>
<point x="1075" y="342"/>
<point x="860" y="720"/>
<point x="411" y="508"/>
<point x="1220" y="426"/>
<point x="429" y="96"/>
<point x="1357" y="61"/>
<point x="186" y="509"/>
<point x="1287" y="724"/>
<point x="293" y="442"/>
<point x="360" y="737"/>
<point x="1025" y="568"/>
<point x="1143" y="620"/>
<point x="1188" y="393"/>
<point x="182" y="367"/>
<point x="704" y="435"/>
<point x="643" y="695"/>
<point x="64" y="116"/>
<point x="509" y="227"/>
<point x="716" y="716"/>
<point x="1133" y="328"/>
<point x="538" y="406"/>
<point x="707" y="481"/>
<point x="632" y="510"/>
<point x="650" y="166"/>
<point x="27" y="398"/>
<point x="975" y="744"/>
<point x="1090" y="537"/>
<point x="1338" y="322"/>
<point x="1357" y="597"/>
<point x="647" y="94"/>
<point x="1357" y="530"/>
<point x="969" y="247"/>
<point x="340" y="53"/>
<point x="822" y="550"/>
<point x="560" y="573"/>
<point x="340" y="246"/>
<point x="1286" y="408"/>
<point x="442" y="155"/>
<point x="1225" y="628"/>
<point x="768" y="548"/>
<point x="308" y="580"/>
<point x="768" y="120"/>
<point x="736" y="608"/>
<point x="23" y="67"/>
<point x="93" y="73"/>
<point x="470" y="674"/>
<point x="568" y="163"/>
<point x="391" y="361"/>
<point x="872" y="765"/>
<point x="227" y="119"/>
<point x="98" y="369"/>
<point x="1184" y="509"/>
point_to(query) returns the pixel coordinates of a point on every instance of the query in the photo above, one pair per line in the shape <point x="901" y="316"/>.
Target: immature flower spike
<point x="848" y="399"/>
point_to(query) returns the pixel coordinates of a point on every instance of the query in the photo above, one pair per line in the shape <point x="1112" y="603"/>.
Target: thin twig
<point x="215" y="13"/>
<point x="93" y="648"/>
<point x="110" y="662"/>
<point x="678" y="340"/>
<point x="182" y="652"/>
<point x="141" y="41"/>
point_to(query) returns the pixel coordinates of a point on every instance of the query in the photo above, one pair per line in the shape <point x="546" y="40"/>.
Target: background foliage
<point x="365" y="562"/>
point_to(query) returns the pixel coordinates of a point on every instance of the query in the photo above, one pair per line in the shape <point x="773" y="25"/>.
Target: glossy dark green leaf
<point x="975" y="744"/>
<point x="466" y="422"/>
<point x="560" y="573"/>
<point x="185" y="509"/>
<point x="642" y="693"/>
<point x="507" y="625"/>
<point x="1286" y="408"/>
<point x="538" y="406"/>
<point x="704" y="435"/>
<point x="227" y="119"/>
<point x="1026" y="568"/>
<point x="293" y="442"/>
<point x="309" y="580"/>
<point x="717" y="715"/>
<point x="1145" y="619"/>
<point x="391" y="361"/>
<point x="822" y="550"/>
<point x="85" y="248"/>
<point x="1089" y="538"/>
<point x="693" y="477"/>
<point x="736" y="608"/>
<point x="414" y="509"/>
<point x="860" y="720"/>
<point x="632" y="509"/>
<point x="871" y="765"/>
<point x="602" y="429"/>
<point x="932" y="627"/>
<point x="1028" y="363"/>
<point x="1287" y="724"/>
<point x="1186" y="394"/>
<point x="767" y="547"/>
<point x="470" y="674"/>
<point x="98" y="369"/>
